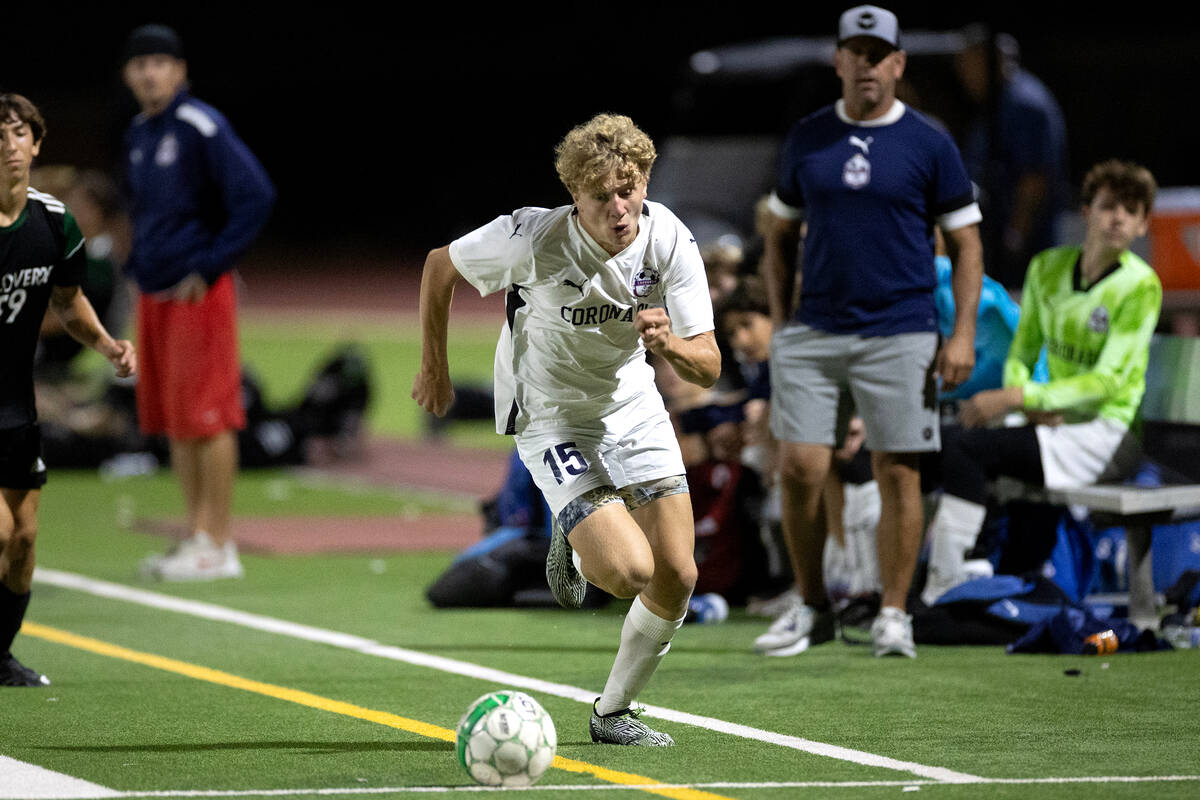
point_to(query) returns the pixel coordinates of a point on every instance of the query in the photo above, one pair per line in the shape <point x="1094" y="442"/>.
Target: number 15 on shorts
<point x="565" y="456"/>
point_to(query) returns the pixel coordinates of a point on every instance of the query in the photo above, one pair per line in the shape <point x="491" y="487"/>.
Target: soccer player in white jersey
<point x="591" y="288"/>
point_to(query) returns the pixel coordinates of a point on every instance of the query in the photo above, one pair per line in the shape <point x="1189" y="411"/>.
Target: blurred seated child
<point x="1093" y="308"/>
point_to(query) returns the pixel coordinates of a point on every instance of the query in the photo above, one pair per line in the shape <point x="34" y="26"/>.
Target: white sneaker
<point x="798" y="628"/>
<point x="892" y="633"/>
<point x="200" y="560"/>
<point x="773" y="606"/>
<point x="148" y="568"/>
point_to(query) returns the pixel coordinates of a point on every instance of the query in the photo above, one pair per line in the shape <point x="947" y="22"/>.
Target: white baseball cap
<point x="869" y="21"/>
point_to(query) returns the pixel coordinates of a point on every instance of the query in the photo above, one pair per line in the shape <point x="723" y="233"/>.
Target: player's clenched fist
<point x="433" y="391"/>
<point x="654" y="326"/>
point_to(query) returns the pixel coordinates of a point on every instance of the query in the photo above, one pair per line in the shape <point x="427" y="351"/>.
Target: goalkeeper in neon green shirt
<point x="1094" y="308"/>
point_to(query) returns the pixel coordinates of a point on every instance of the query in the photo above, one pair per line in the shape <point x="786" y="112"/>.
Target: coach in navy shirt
<point x="198" y="198"/>
<point x="861" y="185"/>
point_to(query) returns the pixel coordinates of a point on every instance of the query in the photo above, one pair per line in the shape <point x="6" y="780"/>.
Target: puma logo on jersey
<point x="865" y="144"/>
<point x="574" y="285"/>
<point x="516" y="228"/>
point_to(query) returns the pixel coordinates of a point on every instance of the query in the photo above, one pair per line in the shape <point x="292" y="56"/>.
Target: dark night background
<point x="396" y="132"/>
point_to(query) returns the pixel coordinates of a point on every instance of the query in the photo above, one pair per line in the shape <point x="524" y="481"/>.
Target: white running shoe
<point x="892" y="633"/>
<point x="199" y="559"/>
<point x="148" y="568"/>
<point x="797" y="629"/>
<point x="773" y="606"/>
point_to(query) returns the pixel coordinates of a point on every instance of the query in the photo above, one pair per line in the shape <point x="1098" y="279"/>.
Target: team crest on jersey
<point x="167" y="152"/>
<point x="856" y="173"/>
<point x="1098" y="321"/>
<point x="645" y="281"/>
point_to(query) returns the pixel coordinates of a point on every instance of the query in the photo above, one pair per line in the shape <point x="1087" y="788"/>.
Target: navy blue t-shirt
<point x="871" y="193"/>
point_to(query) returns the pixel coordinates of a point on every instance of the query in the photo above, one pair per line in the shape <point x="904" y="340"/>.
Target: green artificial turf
<point x="132" y="727"/>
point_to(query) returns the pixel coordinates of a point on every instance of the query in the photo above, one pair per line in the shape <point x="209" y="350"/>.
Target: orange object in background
<point x="1100" y="644"/>
<point x="1174" y="239"/>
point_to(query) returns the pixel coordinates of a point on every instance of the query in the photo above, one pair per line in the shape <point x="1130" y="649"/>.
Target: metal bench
<point x="1171" y="412"/>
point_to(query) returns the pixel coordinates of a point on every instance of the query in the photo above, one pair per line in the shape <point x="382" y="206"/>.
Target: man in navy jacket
<point x="198" y="199"/>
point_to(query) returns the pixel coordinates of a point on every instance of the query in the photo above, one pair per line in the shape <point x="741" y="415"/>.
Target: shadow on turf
<point x="311" y="748"/>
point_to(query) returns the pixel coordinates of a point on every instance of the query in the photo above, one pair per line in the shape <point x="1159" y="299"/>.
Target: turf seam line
<point x="210" y="611"/>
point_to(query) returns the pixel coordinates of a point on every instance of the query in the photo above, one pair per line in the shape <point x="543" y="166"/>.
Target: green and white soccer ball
<point x="506" y="738"/>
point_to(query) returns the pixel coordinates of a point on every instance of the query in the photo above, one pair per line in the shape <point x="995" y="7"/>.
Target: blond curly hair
<point x="606" y="146"/>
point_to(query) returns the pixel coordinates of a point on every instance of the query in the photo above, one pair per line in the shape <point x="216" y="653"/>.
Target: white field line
<point x="116" y="591"/>
<point x="19" y="779"/>
<point x="375" y="790"/>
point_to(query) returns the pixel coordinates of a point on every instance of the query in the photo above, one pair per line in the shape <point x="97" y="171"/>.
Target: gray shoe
<point x="624" y="727"/>
<point x="566" y="583"/>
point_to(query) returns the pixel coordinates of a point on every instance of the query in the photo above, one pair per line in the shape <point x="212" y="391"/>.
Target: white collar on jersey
<point x="643" y="232"/>
<point x="893" y="114"/>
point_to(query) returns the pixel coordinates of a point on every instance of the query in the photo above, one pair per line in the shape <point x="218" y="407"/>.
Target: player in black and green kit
<point x="42" y="263"/>
<point x="1094" y="307"/>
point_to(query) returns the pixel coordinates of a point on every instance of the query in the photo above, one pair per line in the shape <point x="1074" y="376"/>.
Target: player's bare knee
<point x="631" y="577"/>
<point x="18" y="550"/>
<point x="677" y="579"/>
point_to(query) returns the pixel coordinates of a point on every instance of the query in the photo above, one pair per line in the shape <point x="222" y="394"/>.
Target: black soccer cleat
<point x="14" y="673"/>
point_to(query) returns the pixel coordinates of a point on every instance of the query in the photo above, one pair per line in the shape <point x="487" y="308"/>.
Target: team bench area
<point x="1171" y="434"/>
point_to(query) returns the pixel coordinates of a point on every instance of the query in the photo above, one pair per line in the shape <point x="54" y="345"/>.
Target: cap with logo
<point x="872" y="21"/>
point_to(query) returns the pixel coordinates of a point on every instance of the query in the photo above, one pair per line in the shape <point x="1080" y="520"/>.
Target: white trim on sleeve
<point x="781" y="209"/>
<point x="967" y="215"/>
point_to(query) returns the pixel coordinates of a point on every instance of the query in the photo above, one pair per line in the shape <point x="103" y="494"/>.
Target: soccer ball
<point x="506" y="738"/>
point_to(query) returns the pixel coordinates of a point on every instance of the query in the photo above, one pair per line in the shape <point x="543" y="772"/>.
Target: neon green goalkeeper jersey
<point x="1097" y="339"/>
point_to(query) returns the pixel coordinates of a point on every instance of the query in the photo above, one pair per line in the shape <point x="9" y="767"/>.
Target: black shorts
<point x="21" y="465"/>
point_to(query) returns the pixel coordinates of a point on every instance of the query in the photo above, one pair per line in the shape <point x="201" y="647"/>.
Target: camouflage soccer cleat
<point x="566" y="583"/>
<point x="624" y="727"/>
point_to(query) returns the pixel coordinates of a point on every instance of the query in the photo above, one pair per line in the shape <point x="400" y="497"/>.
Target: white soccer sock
<point x="952" y="532"/>
<point x="645" y="639"/>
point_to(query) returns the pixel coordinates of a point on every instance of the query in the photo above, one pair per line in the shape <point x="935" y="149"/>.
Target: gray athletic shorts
<point x="889" y="379"/>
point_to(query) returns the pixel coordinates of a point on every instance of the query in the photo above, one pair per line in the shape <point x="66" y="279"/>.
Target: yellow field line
<point x="338" y="707"/>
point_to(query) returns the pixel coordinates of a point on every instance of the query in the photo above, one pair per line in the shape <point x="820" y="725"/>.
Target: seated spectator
<point x="324" y="425"/>
<point x="1094" y="308"/>
<point x="995" y="325"/>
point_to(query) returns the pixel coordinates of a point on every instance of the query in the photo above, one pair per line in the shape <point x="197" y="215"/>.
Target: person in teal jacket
<point x="1093" y="308"/>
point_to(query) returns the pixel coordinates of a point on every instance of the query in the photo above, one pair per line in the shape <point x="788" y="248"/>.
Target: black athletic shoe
<point x="14" y="673"/>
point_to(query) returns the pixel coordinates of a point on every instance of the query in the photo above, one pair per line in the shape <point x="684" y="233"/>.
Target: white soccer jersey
<point x="569" y="355"/>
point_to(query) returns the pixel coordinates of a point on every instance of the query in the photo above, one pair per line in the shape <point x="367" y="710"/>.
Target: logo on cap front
<point x="866" y="20"/>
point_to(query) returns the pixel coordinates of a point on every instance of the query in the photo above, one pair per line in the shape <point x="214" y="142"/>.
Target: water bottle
<point x="1182" y="637"/>
<point x="708" y="609"/>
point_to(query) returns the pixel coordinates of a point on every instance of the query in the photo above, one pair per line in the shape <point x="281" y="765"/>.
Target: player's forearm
<point x="437" y="292"/>
<point x="966" y="282"/>
<point x="778" y="268"/>
<point x="79" y="319"/>
<point x="696" y="359"/>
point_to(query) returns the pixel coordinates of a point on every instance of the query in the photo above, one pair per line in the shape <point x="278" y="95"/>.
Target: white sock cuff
<point x="649" y="624"/>
<point x="960" y="514"/>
